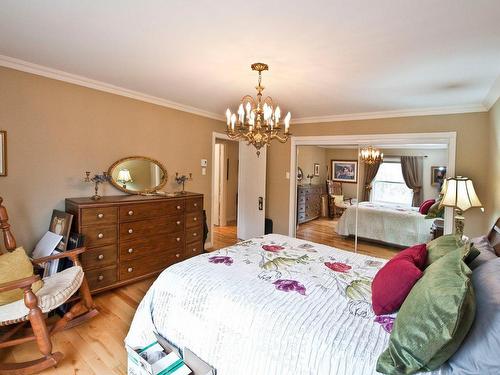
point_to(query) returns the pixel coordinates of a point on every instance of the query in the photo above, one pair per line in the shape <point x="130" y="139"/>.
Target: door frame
<point x="215" y="136"/>
<point x="449" y="138"/>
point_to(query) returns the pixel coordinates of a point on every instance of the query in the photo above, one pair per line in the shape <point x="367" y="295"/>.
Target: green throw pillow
<point x="433" y="320"/>
<point x="443" y="245"/>
<point x="435" y="211"/>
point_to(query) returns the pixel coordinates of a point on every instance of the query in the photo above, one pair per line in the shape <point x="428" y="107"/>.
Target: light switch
<point x="203" y="171"/>
<point x="204" y="162"/>
<point x="287" y="175"/>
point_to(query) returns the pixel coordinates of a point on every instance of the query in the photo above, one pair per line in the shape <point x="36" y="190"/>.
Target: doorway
<point x="225" y="192"/>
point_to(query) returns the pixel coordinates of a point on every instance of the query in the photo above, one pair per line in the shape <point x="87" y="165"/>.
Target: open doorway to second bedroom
<point x="225" y="193"/>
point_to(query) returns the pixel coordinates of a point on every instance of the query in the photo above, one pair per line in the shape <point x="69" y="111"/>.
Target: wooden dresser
<point x="132" y="237"/>
<point x="308" y="202"/>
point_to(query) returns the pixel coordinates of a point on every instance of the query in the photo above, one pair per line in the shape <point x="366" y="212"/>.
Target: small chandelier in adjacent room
<point x="257" y="121"/>
<point x="370" y="155"/>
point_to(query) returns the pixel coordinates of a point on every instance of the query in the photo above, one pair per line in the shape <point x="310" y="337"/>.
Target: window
<point x="388" y="186"/>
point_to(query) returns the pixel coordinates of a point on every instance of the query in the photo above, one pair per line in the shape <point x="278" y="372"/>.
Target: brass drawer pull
<point x="130" y="213"/>
<point x="195" y="219"/>
<point x="177" y="255"/>
<point x="178" y="207"/>
<point x="195" y="234"/>
<point x="196" y="205"/>
<point x="100" y="235"/>
<point x="130" y="251"/>
<point x="130" y="269"/>
<point x="100" y="277"/>
<point x="131" y="231"/>
<point x="100" y="257"/>
<point x="100" y="216"/>
<point x="178" y="222"/>
<point x="194" y="250"/>
<point x="178" y="239"/>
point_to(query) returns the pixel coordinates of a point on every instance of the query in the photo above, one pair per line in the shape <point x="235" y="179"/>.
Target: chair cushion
<point x="394" y="281"/>
<point x="56" y="290"/>
<point x="14" y="266"/>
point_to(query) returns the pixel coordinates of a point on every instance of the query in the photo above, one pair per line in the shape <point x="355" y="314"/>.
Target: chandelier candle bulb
<point x="228" y="117"/>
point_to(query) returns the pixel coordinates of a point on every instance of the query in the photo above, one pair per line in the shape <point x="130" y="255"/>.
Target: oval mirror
<point x="138" y="175"/>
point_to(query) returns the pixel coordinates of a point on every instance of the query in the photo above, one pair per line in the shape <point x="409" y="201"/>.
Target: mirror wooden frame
<point x="146" y="191"/>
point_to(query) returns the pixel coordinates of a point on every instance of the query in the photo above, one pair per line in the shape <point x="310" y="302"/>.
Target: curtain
<point x="411" y="167"/>
<point x="370" y="173"/>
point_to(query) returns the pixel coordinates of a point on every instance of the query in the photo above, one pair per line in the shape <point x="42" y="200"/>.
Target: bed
<point x="271" y="305"/>
<point x="388" y="223"/>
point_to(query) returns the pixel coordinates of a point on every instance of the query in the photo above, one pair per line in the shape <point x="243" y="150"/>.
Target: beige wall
<point x="307" y="156"/>
<point x="57" y="131"/>
<point x="473" y="130"/>
<point x="494" y="182"/>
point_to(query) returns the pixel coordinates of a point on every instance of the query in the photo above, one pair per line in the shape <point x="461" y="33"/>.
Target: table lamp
<point x="458" y="192"/>
<point x="124" y="177"/>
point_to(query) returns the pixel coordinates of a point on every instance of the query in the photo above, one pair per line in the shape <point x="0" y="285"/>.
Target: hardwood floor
<point x="322" y="231"/>
<point x="96" y="347"/>
<point x="224" y="236"/>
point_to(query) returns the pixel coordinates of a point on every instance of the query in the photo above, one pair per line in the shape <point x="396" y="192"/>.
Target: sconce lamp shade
<point x="459" y="192"/>
<point x="124" y="176"/>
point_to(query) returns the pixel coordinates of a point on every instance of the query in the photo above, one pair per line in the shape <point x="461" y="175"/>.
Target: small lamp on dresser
<point x="459" y="193"/>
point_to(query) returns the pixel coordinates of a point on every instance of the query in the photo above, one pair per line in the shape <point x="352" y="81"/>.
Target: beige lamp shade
<point x="459" y="192"/>
<point x="124" y="176"/>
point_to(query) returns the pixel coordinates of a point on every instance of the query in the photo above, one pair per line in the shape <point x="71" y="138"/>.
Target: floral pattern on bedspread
<point x="287" y="267"/>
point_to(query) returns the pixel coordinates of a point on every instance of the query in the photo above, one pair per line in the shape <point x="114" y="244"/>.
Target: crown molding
<point x="390" y="114"/>
<point x="493" y="94"/>
<point x="24" y="66"/>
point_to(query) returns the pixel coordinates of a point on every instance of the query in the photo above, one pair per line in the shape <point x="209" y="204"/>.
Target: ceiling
<point x="329" y="59"/>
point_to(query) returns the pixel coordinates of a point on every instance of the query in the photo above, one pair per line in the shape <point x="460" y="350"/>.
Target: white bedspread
<point x="392" y="224"/>
<point x="269" y="306"/>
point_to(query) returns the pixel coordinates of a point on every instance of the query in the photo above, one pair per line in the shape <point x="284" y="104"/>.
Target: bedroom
<point x="85" y="85"/>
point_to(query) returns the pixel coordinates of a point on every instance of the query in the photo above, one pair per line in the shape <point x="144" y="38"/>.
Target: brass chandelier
<point x="257" y="121"/>
<point x="370" y="155"/>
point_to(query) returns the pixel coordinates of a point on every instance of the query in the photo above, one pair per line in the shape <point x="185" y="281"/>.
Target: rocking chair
<point x="57" y="290"/>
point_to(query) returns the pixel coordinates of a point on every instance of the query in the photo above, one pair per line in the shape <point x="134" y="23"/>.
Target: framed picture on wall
<point x="3" y="153"/>
<point x="438" y="174"/>
<point x="345" y="171"/>
<point x="316" y="169"/>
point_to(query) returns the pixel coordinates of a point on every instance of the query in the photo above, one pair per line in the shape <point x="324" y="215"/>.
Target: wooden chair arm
<point x="21" y="283"/>
<point x="73" y="254"/>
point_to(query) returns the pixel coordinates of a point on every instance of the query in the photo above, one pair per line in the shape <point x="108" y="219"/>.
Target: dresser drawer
<point x="101" y="216"/>
<point x="138" y="267"/>
<point x="148" y="246"/>
<point x="151" y="227"/>
<point x="193" y="249"/>
<point x="149" y="210"/>
<point x="194" y="204"/>
<point x="101" y="277"/>
<point x="194" y="219"/>
<point x="99" y="235"/>
<point x="194" y="234"/>
<point x="99" y="257"/>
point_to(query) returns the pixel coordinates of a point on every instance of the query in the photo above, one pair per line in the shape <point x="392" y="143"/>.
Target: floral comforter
<point x="271" y="305"/>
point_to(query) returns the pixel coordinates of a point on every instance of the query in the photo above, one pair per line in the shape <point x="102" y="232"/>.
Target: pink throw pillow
<point x="394" y="281"/>
<point x="424" y="207"/>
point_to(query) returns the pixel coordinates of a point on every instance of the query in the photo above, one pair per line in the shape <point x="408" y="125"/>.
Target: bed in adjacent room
<point x="272" y="305"/>
<point x="388" y="223"/>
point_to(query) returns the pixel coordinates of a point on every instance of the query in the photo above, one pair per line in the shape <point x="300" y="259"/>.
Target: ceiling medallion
<point x="257" y="121"/>
<point x="370" y="155"/>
